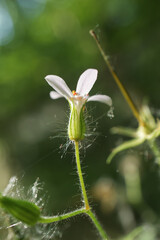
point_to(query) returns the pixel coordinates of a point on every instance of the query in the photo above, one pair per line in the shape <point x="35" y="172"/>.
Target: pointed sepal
<point x="25" y="211"/>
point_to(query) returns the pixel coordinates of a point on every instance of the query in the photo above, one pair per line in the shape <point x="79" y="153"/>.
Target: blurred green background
<point x="41" y="37"/>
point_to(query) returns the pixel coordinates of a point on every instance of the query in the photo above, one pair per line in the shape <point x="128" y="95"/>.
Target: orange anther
<point x="74" y="93"/>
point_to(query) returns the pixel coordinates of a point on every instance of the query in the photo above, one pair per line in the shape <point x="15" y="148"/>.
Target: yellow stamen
<point x="74" y="93"/>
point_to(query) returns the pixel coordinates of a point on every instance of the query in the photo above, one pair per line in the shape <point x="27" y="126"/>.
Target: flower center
<point x="78" y="100"/>
<point x="77" y="96"/>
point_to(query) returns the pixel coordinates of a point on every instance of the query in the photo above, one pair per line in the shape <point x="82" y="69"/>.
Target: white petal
<point x="59" y="85"/>
<point x="101" y="98"/>
<point x="86" y="81"/>
<point x="55" y="95"/>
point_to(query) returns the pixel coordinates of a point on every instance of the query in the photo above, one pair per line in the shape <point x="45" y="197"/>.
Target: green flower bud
<point x="24" y="211"/>
<point x="76" y="126"/>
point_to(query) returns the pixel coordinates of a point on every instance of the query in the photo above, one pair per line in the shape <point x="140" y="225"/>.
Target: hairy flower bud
<point x="24" y="211"/>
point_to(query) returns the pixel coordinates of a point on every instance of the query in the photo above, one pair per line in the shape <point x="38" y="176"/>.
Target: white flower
<point x="80" y="96"/>
<point x="77" y="99"/>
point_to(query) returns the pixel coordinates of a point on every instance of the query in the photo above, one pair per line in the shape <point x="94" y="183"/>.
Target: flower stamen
<point x="74" y="93"/>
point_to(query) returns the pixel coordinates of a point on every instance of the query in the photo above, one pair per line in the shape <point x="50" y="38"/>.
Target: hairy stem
<point x="85" y="198"/>
<point x="97" y="225"/>
<point x="118" y="82"/>
<point x="84" y="194"/>
<point x="86" y="210"/>
<point x="45" y="219"/>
